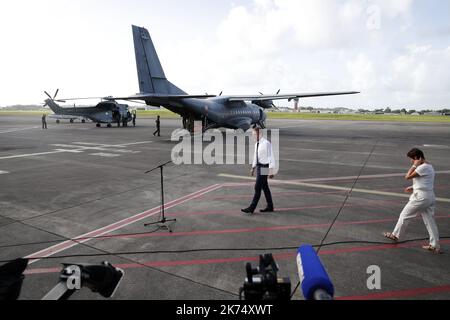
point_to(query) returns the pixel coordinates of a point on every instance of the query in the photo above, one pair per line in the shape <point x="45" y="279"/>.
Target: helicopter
<point x="106" y="112"/>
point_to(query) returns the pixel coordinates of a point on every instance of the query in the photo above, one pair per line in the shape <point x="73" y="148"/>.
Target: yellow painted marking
<point x="329" y="187"/>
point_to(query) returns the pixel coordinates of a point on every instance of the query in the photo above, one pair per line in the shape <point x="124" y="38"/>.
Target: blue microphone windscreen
<point x="313" y="275"/>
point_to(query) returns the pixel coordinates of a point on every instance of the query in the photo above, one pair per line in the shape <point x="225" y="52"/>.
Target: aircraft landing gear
<point x="262" y="124"/>
<point x="191" y="124"/>
<point x="71" y="120"/>
<point x="83" y="121"/>
<point x="109" y="125"/>
<point x="98" y="125"/>
<point x="58" y="122"/>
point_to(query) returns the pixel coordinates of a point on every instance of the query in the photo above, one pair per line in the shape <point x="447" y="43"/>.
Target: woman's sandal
<point x="390" y="236"/>
<point x="432" y="249"/>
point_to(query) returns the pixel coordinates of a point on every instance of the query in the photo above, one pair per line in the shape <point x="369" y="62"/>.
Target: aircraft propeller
<point x="54" y="97"/>
<point x="220" y="94"/>
<point x="273" y="104"/>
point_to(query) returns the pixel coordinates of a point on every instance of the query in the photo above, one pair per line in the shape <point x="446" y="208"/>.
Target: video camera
<point x="103" y="279"/>
<point x="11" y="279"/>
<point x="263" y="283"/>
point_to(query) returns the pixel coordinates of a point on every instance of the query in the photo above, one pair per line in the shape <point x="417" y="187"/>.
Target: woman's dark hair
<point x="416" y="154"/>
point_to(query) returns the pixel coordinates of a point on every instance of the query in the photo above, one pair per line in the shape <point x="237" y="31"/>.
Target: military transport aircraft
<point x="108" y="111"/>
<point x="233" y="112"/>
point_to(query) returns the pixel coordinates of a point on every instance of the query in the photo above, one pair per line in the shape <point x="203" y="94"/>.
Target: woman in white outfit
<point x="422" y="200"/>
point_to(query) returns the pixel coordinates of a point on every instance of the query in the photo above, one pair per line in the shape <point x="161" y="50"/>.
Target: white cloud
<point x="420" y="73"/>
<point x="326" y="45"/>
<point x="394" y="8"/>
<point x="265" y="45"/>
<point x="362" y="73"/>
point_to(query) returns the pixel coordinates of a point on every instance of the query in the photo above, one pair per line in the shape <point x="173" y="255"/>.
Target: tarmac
<point x="76" y="193"/>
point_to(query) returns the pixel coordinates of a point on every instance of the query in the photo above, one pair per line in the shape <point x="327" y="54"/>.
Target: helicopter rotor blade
<point x="48" y="95"/>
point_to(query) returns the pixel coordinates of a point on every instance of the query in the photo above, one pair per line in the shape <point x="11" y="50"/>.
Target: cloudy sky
<point x="397" y="52"/>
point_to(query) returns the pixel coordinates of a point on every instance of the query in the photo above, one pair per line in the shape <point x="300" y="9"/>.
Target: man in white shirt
<point x="263" y="166"/>
<point x="422" y="200"/>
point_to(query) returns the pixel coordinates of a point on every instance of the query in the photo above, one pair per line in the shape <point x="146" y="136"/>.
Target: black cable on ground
<point x="121" y="254"/>
<point x="107" y="253"/>
<point x="342" y="207"/>
<point x="87" y="202"/>
<point x="117" y="256"/>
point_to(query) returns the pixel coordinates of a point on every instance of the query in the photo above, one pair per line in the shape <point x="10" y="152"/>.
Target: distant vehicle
<point x="108" y="112"/>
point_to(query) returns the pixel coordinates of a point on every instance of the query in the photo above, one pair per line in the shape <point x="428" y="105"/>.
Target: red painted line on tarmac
<point x="367" y="203"/>
<point x="42" y="271"/>
<point x="229" y="212"/>
<point x="282" y="256"/>
<point x="275" y="194"/>
<point x="213" y="232"/>
<point x="399" y="294"/>
<point x="115" y="226"/>
<point x="167" y="263"/>
<point x="374" y="248"/>
<point x="250" y="230"/>
<point x="236" y="231"/>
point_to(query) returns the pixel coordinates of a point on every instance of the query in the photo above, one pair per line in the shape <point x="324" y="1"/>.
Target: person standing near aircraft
<point x="129" y="117"/>
<point x="124" y="121"/>
<point x="118" y="118"/>
<point x="263" y="166"/>
<point x="44" y="122"/>
<point x="158" y="127"/>
<point x="134" y="118"/>
<point x="422" y="200"/>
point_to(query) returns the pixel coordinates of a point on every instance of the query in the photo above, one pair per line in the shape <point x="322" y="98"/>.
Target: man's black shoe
<point x="247" y="211"/>
<point x="267" y="210"/>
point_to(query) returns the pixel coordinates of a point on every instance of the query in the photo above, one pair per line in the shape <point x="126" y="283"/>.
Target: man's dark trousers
<point x="262" y="185"/>
<point x="158" y="131"/>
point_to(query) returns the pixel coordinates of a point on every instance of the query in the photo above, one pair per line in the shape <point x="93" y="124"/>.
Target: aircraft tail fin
<point x="53" y="106"/>
<point x="150" y="72"/>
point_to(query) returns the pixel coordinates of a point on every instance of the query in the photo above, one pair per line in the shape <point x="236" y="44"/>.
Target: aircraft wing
<point x="155" y="96"/>
<point x="145" y="97"/>
<point x="288" y="96"/>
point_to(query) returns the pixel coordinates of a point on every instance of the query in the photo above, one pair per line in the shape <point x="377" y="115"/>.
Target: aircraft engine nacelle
<point x="264" y="104"/>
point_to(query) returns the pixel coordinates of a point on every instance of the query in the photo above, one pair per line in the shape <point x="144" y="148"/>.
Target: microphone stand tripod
<point x="163" y="220"/>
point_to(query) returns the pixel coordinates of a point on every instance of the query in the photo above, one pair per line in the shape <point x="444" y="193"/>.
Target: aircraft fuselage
<point x="101" y="113"/>
<point x="219" y="112"/>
